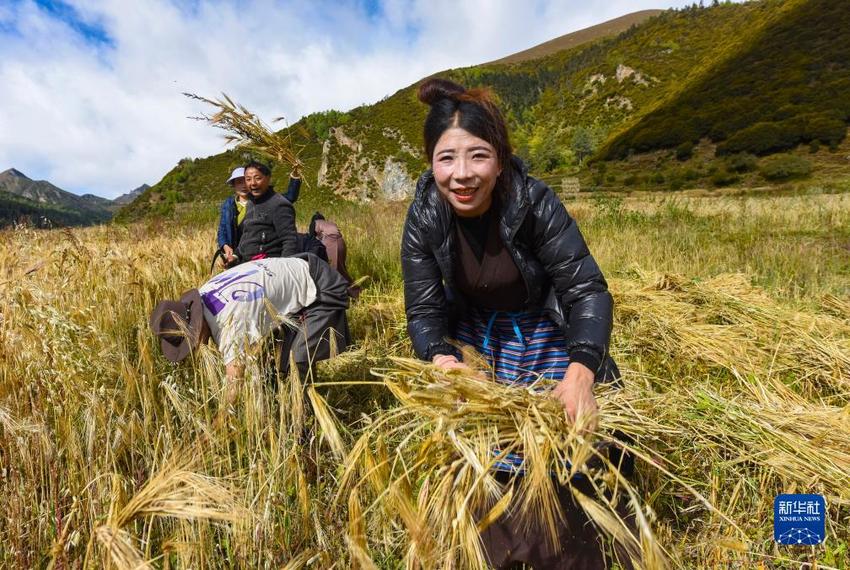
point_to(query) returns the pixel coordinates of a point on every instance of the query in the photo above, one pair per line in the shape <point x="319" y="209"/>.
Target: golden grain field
<point x="732" y="329"/>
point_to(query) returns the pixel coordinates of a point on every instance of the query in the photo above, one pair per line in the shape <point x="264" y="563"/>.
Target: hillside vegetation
<point x="704" y="91"/>
<point x="788" y="82"/>
<point x="41" y="204"/>
<point x="15" y="209"/>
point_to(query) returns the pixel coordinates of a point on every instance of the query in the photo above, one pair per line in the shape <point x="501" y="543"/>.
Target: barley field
<point x="732" y="330"/>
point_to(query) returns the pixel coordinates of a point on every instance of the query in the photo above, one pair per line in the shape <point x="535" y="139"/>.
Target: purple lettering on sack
<point x="247" y="295"/>
<point x="215" y="300"/>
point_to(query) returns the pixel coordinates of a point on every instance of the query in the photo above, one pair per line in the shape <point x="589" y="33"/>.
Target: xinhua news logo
<point x="799" y="519"/>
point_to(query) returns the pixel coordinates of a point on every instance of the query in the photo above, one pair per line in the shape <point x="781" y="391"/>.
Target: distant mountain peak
<point x="125" y="199"/>
<point x="41" y="198"/>
<point x="14" y="173"/>
<point x="574" y="39"/>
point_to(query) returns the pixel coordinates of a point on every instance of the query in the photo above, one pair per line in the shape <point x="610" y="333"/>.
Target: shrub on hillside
<point x="761" y="138"/>
<point x="785" y="167"/>
<point x="723" y="178"/>
<point x="632" y="180"/>
<point x="766" y="137"/>
<point x="741" y="162"/>
<point x="667" y="132"/>
<point x="828" y="128"/>
<point x="676" y="179"/>
<point x="685" y="151"/>
<point x="319" y="124"/>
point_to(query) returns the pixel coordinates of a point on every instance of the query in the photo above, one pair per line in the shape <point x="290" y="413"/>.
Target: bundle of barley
<point x="245" y="129"/>
<point x="428" y="465"/>
<point x="174" y="492"/>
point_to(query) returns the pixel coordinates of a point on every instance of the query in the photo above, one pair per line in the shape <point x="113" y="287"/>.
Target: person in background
<point x="232" y="215"/>
<point x="269" y="226"/>
<point x="242" y="305"/>
<point x="234" y="208"/>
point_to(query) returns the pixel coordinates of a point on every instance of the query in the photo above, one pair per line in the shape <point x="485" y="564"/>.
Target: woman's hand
<point x="575" y="392"/>
<point x="228" y="254"/>
<point x="448" y="362"/>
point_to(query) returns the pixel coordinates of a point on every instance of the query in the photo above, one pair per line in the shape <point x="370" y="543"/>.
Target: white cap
<point x="237" y="173"/>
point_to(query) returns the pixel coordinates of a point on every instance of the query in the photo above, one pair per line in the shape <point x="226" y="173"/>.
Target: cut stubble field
<point x="732" y="328"/>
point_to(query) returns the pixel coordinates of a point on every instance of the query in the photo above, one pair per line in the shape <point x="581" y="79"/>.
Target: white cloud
<point x="105" y="117"/>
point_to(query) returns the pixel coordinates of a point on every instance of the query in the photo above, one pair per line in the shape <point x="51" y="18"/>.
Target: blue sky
<point x="91" y="96"/>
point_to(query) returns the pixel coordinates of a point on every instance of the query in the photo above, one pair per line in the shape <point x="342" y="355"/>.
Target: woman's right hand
<point x="229" y="256"/>
<point x="448" y="362"/>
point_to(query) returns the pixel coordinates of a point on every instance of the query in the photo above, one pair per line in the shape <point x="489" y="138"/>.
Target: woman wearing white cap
<point x="233" y="211"/>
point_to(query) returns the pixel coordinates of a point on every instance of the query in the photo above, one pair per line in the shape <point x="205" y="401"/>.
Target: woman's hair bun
<point x="436" y="89"/>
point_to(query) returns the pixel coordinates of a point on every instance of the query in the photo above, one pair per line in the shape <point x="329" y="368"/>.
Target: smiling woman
<point x="491" y="259"/>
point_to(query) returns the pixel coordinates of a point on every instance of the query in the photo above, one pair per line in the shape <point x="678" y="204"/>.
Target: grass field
<point x="732" y="330"/>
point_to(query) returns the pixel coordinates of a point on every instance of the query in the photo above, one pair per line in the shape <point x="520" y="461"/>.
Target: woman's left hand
<point x="575" y="392"/>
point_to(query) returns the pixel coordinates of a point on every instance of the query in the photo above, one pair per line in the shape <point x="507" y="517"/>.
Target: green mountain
<point x="785" y="83"/>
<point x="727" y="74"/>
<point x="42" y="204"/>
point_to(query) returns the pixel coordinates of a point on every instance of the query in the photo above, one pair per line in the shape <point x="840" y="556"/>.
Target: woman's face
<point x="256" y="181"/>
<point x="465" y="169"/>
<point x="240" y="188"/>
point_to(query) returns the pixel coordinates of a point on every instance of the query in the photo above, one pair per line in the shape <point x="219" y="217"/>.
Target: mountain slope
<point x="790" y="83"/>
<point x="575" y="39"/>
<point x="17" y="210"/>
<point x="42" y="194"/>
<point x="125" y="199"/>
<point x="568" y="106"/>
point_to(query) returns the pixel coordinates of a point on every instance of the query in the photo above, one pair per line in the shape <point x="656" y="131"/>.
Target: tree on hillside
<point x="586" y="140"/>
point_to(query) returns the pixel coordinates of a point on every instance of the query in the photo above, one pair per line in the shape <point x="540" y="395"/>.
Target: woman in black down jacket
<point x="492" y="259"/>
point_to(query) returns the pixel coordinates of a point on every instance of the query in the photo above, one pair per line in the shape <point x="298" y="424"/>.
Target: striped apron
<point x="521" y="348"/>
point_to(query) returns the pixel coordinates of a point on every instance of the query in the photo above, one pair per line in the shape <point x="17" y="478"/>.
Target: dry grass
<point x="736" y="377"/>
<point x="249" y="132"/>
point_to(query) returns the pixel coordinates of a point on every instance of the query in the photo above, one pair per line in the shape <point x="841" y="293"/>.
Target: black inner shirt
<point x="476" y="231"/>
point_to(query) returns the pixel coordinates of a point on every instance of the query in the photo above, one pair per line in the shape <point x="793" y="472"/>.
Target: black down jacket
<point x="561" y="276"/>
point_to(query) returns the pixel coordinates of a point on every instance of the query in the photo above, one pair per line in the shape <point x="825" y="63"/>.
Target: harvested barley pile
<point x="747" y="400"/>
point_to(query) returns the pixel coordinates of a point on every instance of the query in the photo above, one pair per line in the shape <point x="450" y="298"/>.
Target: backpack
<point x="327" y="232"/>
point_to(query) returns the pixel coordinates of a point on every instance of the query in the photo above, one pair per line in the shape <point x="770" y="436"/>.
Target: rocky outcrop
<point x="396" y="183"/>
<point x="619" y="102"/>
<point x="625" y="72"/>
<point x="353" y="175"/>
<point x="322" y="176"/>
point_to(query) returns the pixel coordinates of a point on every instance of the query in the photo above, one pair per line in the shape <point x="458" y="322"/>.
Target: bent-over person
<point x="242" y="305"/>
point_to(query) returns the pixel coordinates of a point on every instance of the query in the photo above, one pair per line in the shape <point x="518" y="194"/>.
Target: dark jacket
<point x="561" y="276"/>
<point x="228" y="232"/>
<point x="322" y="331"/>
<point x="268" y="228"/>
